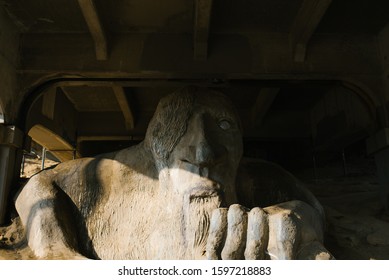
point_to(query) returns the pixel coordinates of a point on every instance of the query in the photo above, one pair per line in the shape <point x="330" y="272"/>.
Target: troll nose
<point x="204" y="147"/>
<point x="204" y="154"/>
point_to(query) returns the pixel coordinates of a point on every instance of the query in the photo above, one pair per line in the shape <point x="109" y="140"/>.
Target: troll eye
<point x="224" y="124"/>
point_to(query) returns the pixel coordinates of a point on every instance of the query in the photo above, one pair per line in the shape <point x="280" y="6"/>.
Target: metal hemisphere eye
<point x="224" y="124"/>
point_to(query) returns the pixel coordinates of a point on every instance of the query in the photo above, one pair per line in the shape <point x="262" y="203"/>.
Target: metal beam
<point x="124" y="106"/>
<point x="308" y="18"/>
<point x="92" y="19"/>
<point x="262" y="105"/>
<point x="202" y="19"/>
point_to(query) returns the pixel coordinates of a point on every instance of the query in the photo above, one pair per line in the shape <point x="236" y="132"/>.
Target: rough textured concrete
<point x="157" y="200"/>
<point x="298" y="42"/>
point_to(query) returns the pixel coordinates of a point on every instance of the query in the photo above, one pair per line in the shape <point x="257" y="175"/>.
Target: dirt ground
<point x="357" y="229"/>
<point x="13" y="245"/>
<point x="33" y="165"/>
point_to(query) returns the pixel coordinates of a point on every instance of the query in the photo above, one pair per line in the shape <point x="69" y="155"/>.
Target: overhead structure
<point x="308" y="18"/>
<point x="124" y="106"/>
<point x="202" y="22"/>
<point x="280" y="62"/>
<point x="52" y="142"/>
<point x="92" y="19"/>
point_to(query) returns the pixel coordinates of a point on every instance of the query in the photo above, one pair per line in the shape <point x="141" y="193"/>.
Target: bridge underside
<point x="309" y="78"/>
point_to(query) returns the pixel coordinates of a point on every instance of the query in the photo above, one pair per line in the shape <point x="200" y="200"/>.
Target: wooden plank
<point x="202" y="21"/>
<point x="124" y="106"/>
<point x="304" y="26"/>
<point x="92" y="19"/>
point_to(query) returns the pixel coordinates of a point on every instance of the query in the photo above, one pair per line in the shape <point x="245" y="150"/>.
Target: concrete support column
<point x="382" y="162"/>
<point x="378" y="144"/>
<point x="11" y="142"/>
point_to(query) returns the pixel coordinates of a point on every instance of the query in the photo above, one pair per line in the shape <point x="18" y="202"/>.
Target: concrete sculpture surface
<point x="185" y="192"/>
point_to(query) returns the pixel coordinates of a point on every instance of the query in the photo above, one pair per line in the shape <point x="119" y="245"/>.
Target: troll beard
<point x="197" y="214"/>
<point x="188" y="215"/>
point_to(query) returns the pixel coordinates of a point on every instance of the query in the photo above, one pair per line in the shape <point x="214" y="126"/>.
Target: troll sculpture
<point x="185" y="192"/>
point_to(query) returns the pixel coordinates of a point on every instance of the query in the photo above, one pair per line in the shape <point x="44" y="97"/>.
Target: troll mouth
<point x="204" y="192"/>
